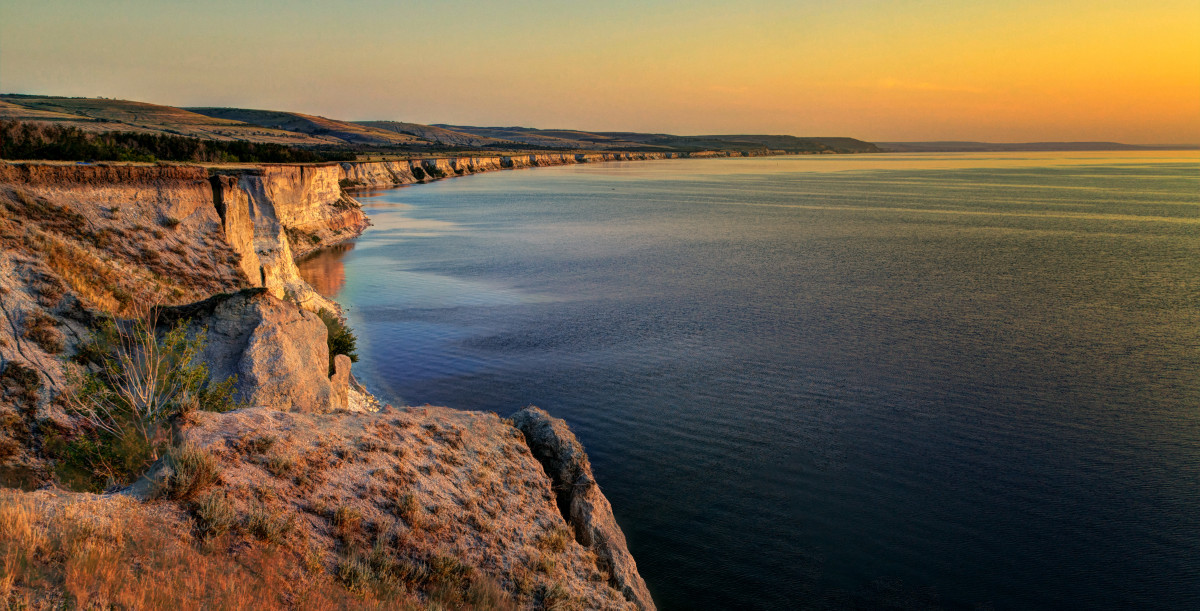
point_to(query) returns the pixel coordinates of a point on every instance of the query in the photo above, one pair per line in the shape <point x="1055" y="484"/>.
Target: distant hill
<point x="353" y="133"/>
<point x="554" y="138"/>
<point x="103" y="115"/>
<point x="983" y="147"/>
<point x="434" y="134"/>
<point x="787" y="144"/>
<point x="294" y="129"/>
<point x="576" y="139"/>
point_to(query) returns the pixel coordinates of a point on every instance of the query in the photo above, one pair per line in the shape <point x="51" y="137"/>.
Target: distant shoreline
<point x="1023" y="147"/>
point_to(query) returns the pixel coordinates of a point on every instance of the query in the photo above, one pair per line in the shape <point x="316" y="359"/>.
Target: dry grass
<point x="98" y="553"/>
<point x="449" y="506"/>
<point x="109" y="262"/>
<point x="194" y="471"/>
<point x="97" y="282"/>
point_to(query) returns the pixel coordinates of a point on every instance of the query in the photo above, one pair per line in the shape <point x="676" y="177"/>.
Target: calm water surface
<point x="824" y="382"/>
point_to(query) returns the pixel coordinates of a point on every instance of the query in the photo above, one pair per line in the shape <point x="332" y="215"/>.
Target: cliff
<point x="407" y="172"/>
<point x="364" y="507"/>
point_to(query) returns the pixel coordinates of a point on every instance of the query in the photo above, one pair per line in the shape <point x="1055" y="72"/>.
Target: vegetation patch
<point x="270" y="525"/>
<point x="42" y="330"/>
<point x="140" y="381"/>
<point x="299" y="237"/>
<point x="215" y="515"/>
<point x="19" y="384"/>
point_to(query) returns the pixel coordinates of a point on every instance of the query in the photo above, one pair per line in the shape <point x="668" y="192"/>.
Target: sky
<point x="1000" y="70"/>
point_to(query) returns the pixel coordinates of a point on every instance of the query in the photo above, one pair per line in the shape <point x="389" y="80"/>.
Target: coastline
<point x="226" y="241"/>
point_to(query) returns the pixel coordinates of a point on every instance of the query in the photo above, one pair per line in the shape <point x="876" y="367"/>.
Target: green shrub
<point x="340" y="338"/>
<point x="138" y="382"/>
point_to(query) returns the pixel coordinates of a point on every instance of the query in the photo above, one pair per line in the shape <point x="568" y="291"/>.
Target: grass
<point x="112" y="553"/>
<point x="407" y="508"/>
<point x="194" y="471"/>
<point x="42" y="330"/>
<point x="269" y="525"/>
<point x="215" y="515"/>
<point x="555" y="540"/>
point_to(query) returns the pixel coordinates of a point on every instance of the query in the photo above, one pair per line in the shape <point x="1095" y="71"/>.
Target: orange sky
<point x="898" y="70"/>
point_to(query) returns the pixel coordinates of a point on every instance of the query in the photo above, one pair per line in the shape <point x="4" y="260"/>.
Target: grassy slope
<point x="439" y="135"/>
<point x="311" y="125"/>
<point x="102" y="115"/>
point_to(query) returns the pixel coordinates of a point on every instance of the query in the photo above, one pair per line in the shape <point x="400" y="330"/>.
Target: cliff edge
<point x="305" y="494"/>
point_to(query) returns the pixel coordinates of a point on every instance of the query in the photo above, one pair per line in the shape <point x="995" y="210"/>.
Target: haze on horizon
<point x="1003" y="71"/>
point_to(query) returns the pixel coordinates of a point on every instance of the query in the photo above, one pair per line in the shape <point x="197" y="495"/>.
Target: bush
<point x="139" y="382"/>
<point x="340" y="338"/>
<point x="20" y="384"/>
<point x="43" y="331"/>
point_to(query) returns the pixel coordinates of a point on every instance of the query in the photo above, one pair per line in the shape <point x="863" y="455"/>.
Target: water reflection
<point x="324" y="269"/>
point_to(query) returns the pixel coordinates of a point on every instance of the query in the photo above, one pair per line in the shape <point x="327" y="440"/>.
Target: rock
<point x="340" y="382"/>
<point x="580" y="500"/>
<point x="277" y="350"/>
<point x="433" y="480"/>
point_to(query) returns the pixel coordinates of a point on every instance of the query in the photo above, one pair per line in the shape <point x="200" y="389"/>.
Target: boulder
<point x="580" y="500"/>
<point x="277" y="350"/>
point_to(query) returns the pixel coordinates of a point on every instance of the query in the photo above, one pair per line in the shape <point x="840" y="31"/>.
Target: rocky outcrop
<point x="580" y="501"/>
<point x="277" y="351"/>
<point x="405" y="487"/>
<point x="152" y="193"/>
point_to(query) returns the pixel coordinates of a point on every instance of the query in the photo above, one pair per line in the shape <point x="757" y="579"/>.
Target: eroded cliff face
<point x="273" y="215"/>
<point x="392" y="173"/>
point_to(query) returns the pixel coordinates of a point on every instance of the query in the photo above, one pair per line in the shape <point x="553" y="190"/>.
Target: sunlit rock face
<point x="277" y="351"/>
<point x="275" y="214"/>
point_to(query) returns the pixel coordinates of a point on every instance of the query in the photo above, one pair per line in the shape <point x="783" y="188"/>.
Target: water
<point x="825" y="382"/>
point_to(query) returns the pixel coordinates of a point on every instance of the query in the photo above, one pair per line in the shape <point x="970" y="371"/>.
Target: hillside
<point x="388" y="139"/>
<point x="317" y="127"/>
<point x="437" y="135"/>
<point x="103" y="115"/>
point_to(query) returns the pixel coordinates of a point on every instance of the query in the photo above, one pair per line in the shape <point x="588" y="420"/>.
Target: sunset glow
<point x="880" y="71"/>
